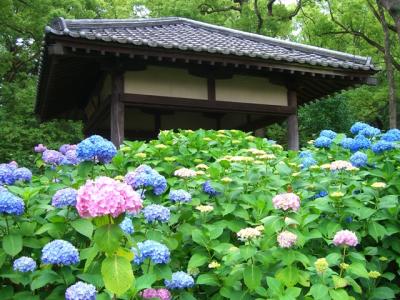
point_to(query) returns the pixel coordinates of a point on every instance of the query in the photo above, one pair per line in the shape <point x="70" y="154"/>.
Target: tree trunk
<point x="393" y="7"/>
<point x="389" y="69"/>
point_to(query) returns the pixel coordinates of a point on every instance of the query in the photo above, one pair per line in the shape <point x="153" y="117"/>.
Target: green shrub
<point x="206" y="245"/>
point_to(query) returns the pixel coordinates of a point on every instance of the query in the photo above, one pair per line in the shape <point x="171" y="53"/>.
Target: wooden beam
<point x="189" y="104"/>
<point x="117" y="108"/>
<point x="293" y="124"/>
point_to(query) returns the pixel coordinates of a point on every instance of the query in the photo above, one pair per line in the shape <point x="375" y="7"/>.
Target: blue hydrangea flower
<point x="360" y="142"/>
<point x="156" y="212"/>
<point x="144" y="176"/>
<point x="22" y="174"/>
<point x="369" y="131"/>
<point x="158" y="253"/>
<point x="96" y="147"/>
<point x="330" y="134"/>
<point x="11" y="204"/>
<point x="6" y="174"/>
<point x="357" y="127"/>
<point x="382" y="146"/>
<point x="179" y="280"/>
<point x="392" y="135"/>
<point x="3" y="189"/>
<point x="359" y="159"/>
<point x="348" y="219"/>
<point x="81" y="291"/>
<point x="347" y="143"/>
<point x="179" y="196"/>
<point x="305" y="153"/>
<point x="307" y="162"/>
<point x="323" y="142"/>
<point x="208" y="189"/>
<point x="64" y="197"/>
<point x="24" y="264"/>
<point x="320" y="194"/>
<point x="127" y="226"/>
<point x="52" y="157"/>
<point x="60" y="252"/>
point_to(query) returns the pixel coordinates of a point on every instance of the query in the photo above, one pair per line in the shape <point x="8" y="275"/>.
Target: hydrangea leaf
<point x="117" y="274"/>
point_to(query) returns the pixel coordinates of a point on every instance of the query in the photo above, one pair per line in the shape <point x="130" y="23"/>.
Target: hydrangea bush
<point x="205" y="215"/>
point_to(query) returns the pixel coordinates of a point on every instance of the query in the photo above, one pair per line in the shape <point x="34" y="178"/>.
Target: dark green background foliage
<point x="22" y="27"/>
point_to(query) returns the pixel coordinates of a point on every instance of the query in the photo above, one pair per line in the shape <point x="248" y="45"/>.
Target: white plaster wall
<point x="250" y="89"/>
<point x="168" y="82"/>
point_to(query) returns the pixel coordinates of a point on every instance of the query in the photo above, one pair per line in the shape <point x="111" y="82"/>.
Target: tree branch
<point x="209" y="9"/>
<point x="296" y="10"/>
<point x="260" y="20"/>
<point x="270" y="5"/>
<point x="376" y="14"/>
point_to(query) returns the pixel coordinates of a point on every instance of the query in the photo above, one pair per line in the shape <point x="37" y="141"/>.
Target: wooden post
<point x="117" y="108"/>
<point x="260" y="132"/>
<point x="293" y="124"/>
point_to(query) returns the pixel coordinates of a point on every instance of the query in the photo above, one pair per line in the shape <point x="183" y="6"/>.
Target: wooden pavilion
<point x="132" y="78"/>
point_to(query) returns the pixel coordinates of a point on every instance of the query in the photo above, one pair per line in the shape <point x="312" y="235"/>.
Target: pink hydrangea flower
<point x="286" y="239"/>
<point x="106" y="196"/>
<point x="162" y="294"/>
<point x="345" y="238"/>
<point x="286" y="201"/>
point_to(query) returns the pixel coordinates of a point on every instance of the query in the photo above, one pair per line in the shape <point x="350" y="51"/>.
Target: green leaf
<point x="43" y="279"/>
<point x="376" y="230"/>
<point x="83" y="226"/>
<point x="358" y="269"/>
<point x="199" y="237"/>
<point x="145" y="281"/>
<point x="12" y="244"/>
<point x="228" y="208"/>
<point x="383" y="293"/>
<point x="197" y="260"/>
<point x="388" y="201"/>
<point x="107" y="237"/>
<point x="208" y="279"/>
<point x="289" y="276"/>
<point x="319" y="291"/>
<point x="247" y="251"/>
<point x="275" y="286"/>
<point x="339" y="282"/>
<point x="117" y="274"/>
<point x="339" y="294"/>
<point x="252" y="277"/>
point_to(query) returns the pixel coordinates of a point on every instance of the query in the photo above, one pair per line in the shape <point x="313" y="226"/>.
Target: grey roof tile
<point x="185" y="34"/>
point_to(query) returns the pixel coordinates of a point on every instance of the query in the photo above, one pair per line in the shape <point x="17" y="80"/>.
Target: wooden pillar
<point x="260" y="132"/>
<point x="293" y="123"/>
<point x="117" y="108"/>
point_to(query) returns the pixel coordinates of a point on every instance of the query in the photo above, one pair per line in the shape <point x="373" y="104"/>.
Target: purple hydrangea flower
<point x="156" y="212"/>
<point x="66" y="147"/>
<point x="157" y="252"/>
<point x="24" y="264"/>
<point x="11" y="204"/>
<point x="64" y="197"/>
<point x="96" y="147"/>
<point x="208" y="189"/>
<point x="60" y="252"/>
<point x="323" y="142"/>
<point x="179" y="280"/>
<point x="127" y="226"/>
<point x="81" y="291"/>
<point x="179" y="196"/>
<point x="52" y="157"/>
<point x="328" y="133"/>
<point x="144" y="176"/>
<point x="40" y="148"/>
<point x="359" y="159"/>
<point x="22" y="174"/>
<point x="71" y="158"/>
<point x="162" y="294"/>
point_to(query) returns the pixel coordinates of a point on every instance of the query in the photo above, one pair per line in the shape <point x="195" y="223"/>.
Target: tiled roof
<point x="184" y="34"/>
